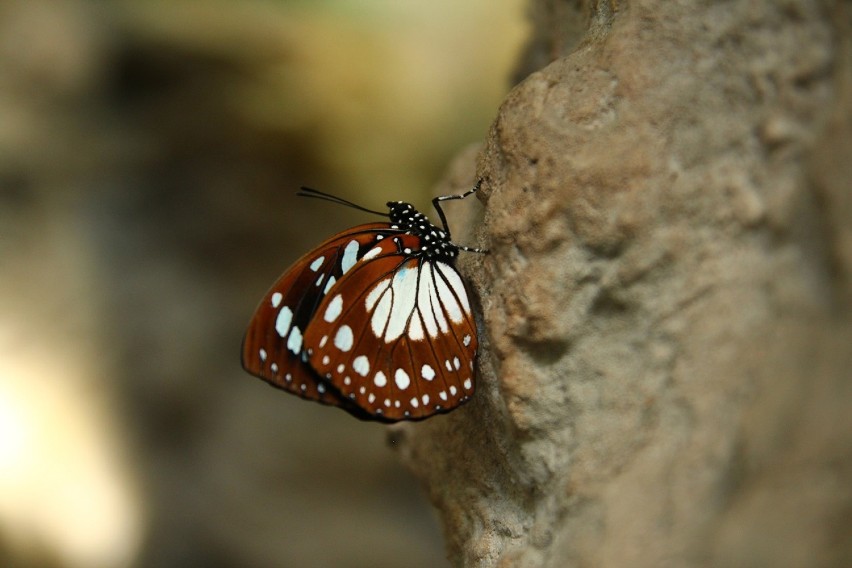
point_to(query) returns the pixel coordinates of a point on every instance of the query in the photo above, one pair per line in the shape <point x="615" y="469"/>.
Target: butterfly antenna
<point x="316" y="194"/>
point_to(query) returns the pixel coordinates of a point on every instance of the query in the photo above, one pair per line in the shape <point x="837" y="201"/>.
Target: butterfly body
<point x="375" y="320"/>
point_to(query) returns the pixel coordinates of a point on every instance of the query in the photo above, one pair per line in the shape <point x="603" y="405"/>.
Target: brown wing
<point x="396" y="337"/>
<point x="273" y="345"/>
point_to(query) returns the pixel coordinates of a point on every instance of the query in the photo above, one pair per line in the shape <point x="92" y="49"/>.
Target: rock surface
<point x="665" y="353"/>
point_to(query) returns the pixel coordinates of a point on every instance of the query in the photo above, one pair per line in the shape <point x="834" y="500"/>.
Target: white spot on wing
<point x="361" y="365"/>
<point x="282" y="322"/>
<point x="468" y="384"/>
<point x="323" y="341"/>
<point x="276" y="299"/>
<point x="446" y="296"/>
<point x="424" y="300"/>
<point x="435" y="304"/>
<point x="317" y="263"/>
<point x="415" y="328"/>
<point x="371" y="399"/>
<point x="343" y="339"/>
<point x="414" y="402"/>
<point x="379" y="321"/>
<point x="456" y="363"/>
<point x="425" y="399"/>
<point x="334" y="308"/>
<point x="350" y="254"/>
<point x="375" y="251"/>
<point x="379" y="303"/>
<point x="448" y="365"/>
<point x="453" y="390"/>
<point x="456" y="283"/>
<point x="274" y="367"/>
<point x="376" y="293"/>
<point x="380" y="379"/>
<point x="262" y="354"/>
<point x="329" y="283"/>
<point x="294" y="343"/>
<point x="401" y="379"/>
<point x="466" y="340"/>
<point x="427" y="372"/>
<point x="443" y="395"/>
<point x="403" y="296"/>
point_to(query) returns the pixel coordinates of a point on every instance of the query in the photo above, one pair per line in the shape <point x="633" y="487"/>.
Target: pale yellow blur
<point x="64" y="493"/>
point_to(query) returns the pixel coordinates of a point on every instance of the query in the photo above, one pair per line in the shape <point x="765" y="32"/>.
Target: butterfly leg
<point x="436" y="203"/>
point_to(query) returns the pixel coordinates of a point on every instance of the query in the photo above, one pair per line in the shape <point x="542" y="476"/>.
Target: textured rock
<point x="665" y="366"/>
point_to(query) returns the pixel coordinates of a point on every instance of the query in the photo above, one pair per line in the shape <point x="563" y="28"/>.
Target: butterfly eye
<point x="374" y="321"/>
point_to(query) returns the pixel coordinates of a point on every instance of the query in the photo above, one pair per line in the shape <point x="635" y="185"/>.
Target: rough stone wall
<point x="666" y="366"/>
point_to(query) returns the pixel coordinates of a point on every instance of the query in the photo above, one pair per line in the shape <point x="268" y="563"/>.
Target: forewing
<point x="396" y="336"/>
<point x="273" y="347"/>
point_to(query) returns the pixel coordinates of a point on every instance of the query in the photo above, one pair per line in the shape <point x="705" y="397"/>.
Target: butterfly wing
<point x="396" y="336"/>
<point x="273" y="344"/>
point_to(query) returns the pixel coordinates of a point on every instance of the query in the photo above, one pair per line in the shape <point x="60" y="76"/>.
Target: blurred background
<point x="149" y="153"/>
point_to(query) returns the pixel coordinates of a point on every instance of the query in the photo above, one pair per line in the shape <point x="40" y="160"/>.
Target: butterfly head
<point x="436" y="241"/>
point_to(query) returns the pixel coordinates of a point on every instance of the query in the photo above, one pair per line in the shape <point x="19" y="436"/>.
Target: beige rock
<point x="665" y="368"/>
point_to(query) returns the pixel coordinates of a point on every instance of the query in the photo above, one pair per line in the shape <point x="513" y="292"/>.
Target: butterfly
<point x="376" y="320"/>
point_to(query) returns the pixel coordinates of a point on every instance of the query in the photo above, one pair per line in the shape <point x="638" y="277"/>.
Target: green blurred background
<point x="149" y="152"/>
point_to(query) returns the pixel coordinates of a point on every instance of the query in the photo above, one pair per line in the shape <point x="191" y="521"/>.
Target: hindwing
<point x="396" y="336"/>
